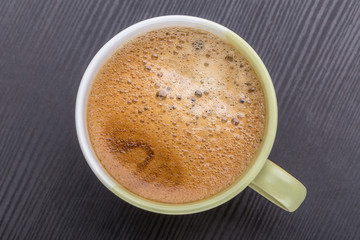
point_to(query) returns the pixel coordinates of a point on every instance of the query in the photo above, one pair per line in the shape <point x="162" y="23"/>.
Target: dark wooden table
<point x="47" y="190"/>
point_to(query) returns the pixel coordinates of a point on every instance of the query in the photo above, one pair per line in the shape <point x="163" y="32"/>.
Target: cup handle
<point x="279" y="187"/>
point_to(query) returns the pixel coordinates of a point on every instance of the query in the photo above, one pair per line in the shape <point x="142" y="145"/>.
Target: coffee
<point x="176" y="115"/>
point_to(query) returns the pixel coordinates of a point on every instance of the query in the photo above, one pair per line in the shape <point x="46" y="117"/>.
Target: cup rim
<point x="139" y="28"/>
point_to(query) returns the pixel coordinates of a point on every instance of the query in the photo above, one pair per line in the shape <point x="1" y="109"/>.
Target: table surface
<point x="47" y="190"/>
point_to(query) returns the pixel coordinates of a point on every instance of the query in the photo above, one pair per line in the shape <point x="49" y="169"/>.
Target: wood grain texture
<point x="47" y="191"/>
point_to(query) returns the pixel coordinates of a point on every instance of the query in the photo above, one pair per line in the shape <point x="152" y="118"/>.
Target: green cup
<point x="263" y="176"/>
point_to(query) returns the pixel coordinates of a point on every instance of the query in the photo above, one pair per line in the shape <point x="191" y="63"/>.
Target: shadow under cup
<point x="168" y="21"/>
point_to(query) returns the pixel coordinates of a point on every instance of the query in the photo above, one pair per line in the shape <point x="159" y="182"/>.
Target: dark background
<point x="47" y="190"/>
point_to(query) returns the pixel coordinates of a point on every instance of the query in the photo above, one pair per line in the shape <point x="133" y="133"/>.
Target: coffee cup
<point x="263" y="176"/>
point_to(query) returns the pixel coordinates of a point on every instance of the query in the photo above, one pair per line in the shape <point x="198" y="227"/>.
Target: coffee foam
<point x="176" y="115"/>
